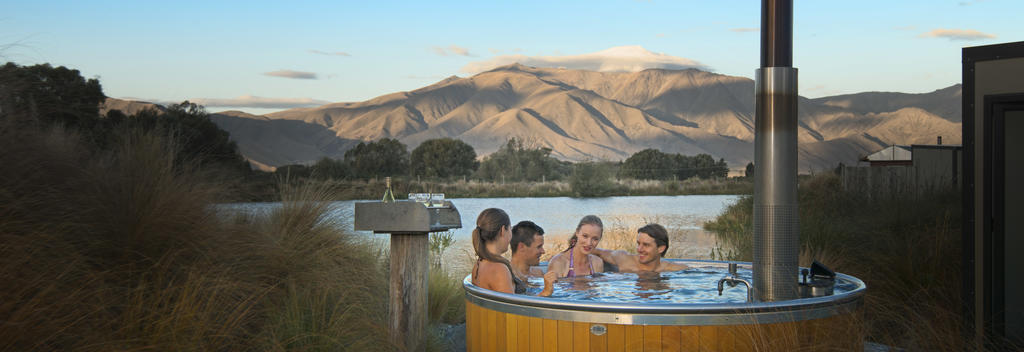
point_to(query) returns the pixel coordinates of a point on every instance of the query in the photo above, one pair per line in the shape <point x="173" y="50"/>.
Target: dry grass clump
<point x="125" y="249"/>
<point x="907" y="250"/>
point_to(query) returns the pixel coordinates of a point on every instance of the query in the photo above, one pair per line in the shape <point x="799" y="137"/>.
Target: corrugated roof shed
<point x="891" y="153"/>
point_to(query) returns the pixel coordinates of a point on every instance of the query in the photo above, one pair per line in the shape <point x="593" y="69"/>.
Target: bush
<point x="592" y="179"/>
<point x="905" y="249"/>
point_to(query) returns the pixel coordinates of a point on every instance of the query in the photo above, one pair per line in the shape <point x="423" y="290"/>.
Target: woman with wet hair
<point x="578" y="259"/>
<point x="490" y="240"/>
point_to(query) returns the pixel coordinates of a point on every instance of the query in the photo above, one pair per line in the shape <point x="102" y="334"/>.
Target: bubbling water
<point x="698" y="284"/>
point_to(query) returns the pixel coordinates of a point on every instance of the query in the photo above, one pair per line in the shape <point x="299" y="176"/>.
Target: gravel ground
<point x="455" y="336"/>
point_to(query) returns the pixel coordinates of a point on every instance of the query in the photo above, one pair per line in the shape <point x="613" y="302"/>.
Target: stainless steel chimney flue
<point x="776" y="224"/>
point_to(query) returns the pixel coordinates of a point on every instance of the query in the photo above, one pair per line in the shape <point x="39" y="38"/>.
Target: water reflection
<point x="651" y="284"/>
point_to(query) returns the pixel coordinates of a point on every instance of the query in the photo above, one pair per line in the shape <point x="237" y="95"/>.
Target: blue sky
<point x="267" y="56"/>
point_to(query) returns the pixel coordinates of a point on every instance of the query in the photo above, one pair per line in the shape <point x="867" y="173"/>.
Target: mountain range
<point x="587" y="115"/>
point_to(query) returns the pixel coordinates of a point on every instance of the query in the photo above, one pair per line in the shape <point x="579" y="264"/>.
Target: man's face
<point x="535" y="250"/>
<point x="647" y="249"/>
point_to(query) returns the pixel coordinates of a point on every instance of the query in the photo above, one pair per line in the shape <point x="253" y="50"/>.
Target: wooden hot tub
<point x="507" y="322"/>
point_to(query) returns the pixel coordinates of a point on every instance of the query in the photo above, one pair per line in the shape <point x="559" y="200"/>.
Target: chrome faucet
<point x="732" y="280"/>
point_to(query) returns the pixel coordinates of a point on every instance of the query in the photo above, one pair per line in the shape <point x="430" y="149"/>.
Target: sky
<point x="264" y="56"/>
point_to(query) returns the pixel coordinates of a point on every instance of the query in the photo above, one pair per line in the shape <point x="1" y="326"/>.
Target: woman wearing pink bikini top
<point x="577" y="260"/>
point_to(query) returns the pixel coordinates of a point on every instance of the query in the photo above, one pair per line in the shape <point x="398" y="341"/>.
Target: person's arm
<point x="535" y="271"/>
<point x="597" y="263"/>
<point x="675" y="266"/>
<point x="614" y="257"/>
<point x="558" y="266"/>
<point x="549" y="284"/>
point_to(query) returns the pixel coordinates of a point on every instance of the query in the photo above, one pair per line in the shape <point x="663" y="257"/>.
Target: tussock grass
<point x="124" y="249"/>
<point x="907" y="250"/>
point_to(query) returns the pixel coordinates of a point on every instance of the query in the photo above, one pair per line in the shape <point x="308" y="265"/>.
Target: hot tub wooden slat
<point x="652" y="337"/>
<point x="670" y="338"/>
<point x="727" y="339"/>
<point x="744" y="338"/>
<point x="510" y="332"/>
<point x="616" y="338"/>
<point x="501" y="329"/>
<point x="550" y="335"/>
<point x="581" y="336"/>
<point x="536" y="334"/>
<point x="564" y="335"/>
<point x="690" y="338"/>
<point x="708" y="336"/>
<point x="489" y="342"/>
<point x="523" y="333"/>
<point x="471" y="327"/>
<point x="634" y="337"/>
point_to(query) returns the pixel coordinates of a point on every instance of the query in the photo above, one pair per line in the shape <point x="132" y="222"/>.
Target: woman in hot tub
<point x="578" y="259"/>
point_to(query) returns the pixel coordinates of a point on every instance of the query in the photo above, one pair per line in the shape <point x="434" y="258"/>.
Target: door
<point x="1004" y="195"/>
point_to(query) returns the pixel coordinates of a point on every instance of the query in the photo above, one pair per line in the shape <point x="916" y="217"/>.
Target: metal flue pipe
<point x="776" y="230"/>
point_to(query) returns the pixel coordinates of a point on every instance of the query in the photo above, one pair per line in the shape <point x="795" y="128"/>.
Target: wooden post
<point x="407" y="304"/>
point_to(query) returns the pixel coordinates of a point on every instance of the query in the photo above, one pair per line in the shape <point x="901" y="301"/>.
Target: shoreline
<point x="371" y="189"/>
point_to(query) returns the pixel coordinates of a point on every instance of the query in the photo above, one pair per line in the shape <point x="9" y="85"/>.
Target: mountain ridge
<point x="587" y="115"/>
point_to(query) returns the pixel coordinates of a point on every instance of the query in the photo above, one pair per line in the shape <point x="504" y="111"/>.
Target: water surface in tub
<point x="698" y="284"/>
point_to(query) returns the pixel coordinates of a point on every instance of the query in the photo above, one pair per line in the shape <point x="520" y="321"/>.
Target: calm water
<point x="683" y="216"/>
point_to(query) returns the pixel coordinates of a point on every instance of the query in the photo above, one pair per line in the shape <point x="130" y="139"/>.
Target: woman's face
<point x="588" y="237"/>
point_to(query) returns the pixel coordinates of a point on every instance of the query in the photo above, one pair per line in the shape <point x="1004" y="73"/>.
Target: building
<point x="890" y="156"/>
<point x="993" y="228"/>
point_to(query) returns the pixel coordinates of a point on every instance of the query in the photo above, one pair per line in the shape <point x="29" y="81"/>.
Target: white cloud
<point x="617" y="59"/>
<point x="452" y="50"/>
<point x="336" y="53"/>
<point x="956" y="34"/>
<point x="291" y="74"/>
<point x="745" y="30"/>
<point x="249" y="101"/>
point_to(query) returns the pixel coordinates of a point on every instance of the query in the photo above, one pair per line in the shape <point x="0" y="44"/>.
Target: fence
<point x="895" y="180"/>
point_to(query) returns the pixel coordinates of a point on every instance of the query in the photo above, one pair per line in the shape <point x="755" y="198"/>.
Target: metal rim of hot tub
<point x="672" y="313"/>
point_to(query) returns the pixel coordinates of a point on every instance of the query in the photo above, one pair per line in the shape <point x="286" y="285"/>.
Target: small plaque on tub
<point x="598" y="329"/>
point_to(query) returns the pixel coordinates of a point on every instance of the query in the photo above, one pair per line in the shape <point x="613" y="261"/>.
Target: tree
<point x="200" y="139"/>
<point x="47" y="94"/>
<point x="516" y="161"/>
<point x="327" y="168"/>
<point x="592" y="179"/>
<point x="650" y="164"/>
<point x="705" y="166"/>
<point x="386" y="157"/>
<point x="444" y="158"/>
<point x="750" y="170"/>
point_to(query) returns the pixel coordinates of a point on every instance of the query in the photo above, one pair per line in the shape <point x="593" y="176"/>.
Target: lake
<point x="683" y="216"/>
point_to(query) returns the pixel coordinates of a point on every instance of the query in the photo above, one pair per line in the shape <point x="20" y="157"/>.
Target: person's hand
<point x="549" y="283"/>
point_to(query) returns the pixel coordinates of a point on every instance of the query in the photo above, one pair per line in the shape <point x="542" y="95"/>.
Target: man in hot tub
<point x="651" y="245"/>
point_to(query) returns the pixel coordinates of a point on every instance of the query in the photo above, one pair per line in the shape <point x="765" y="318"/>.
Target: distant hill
<point x="128" y="107"/>
<point x="585" y="115"/>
